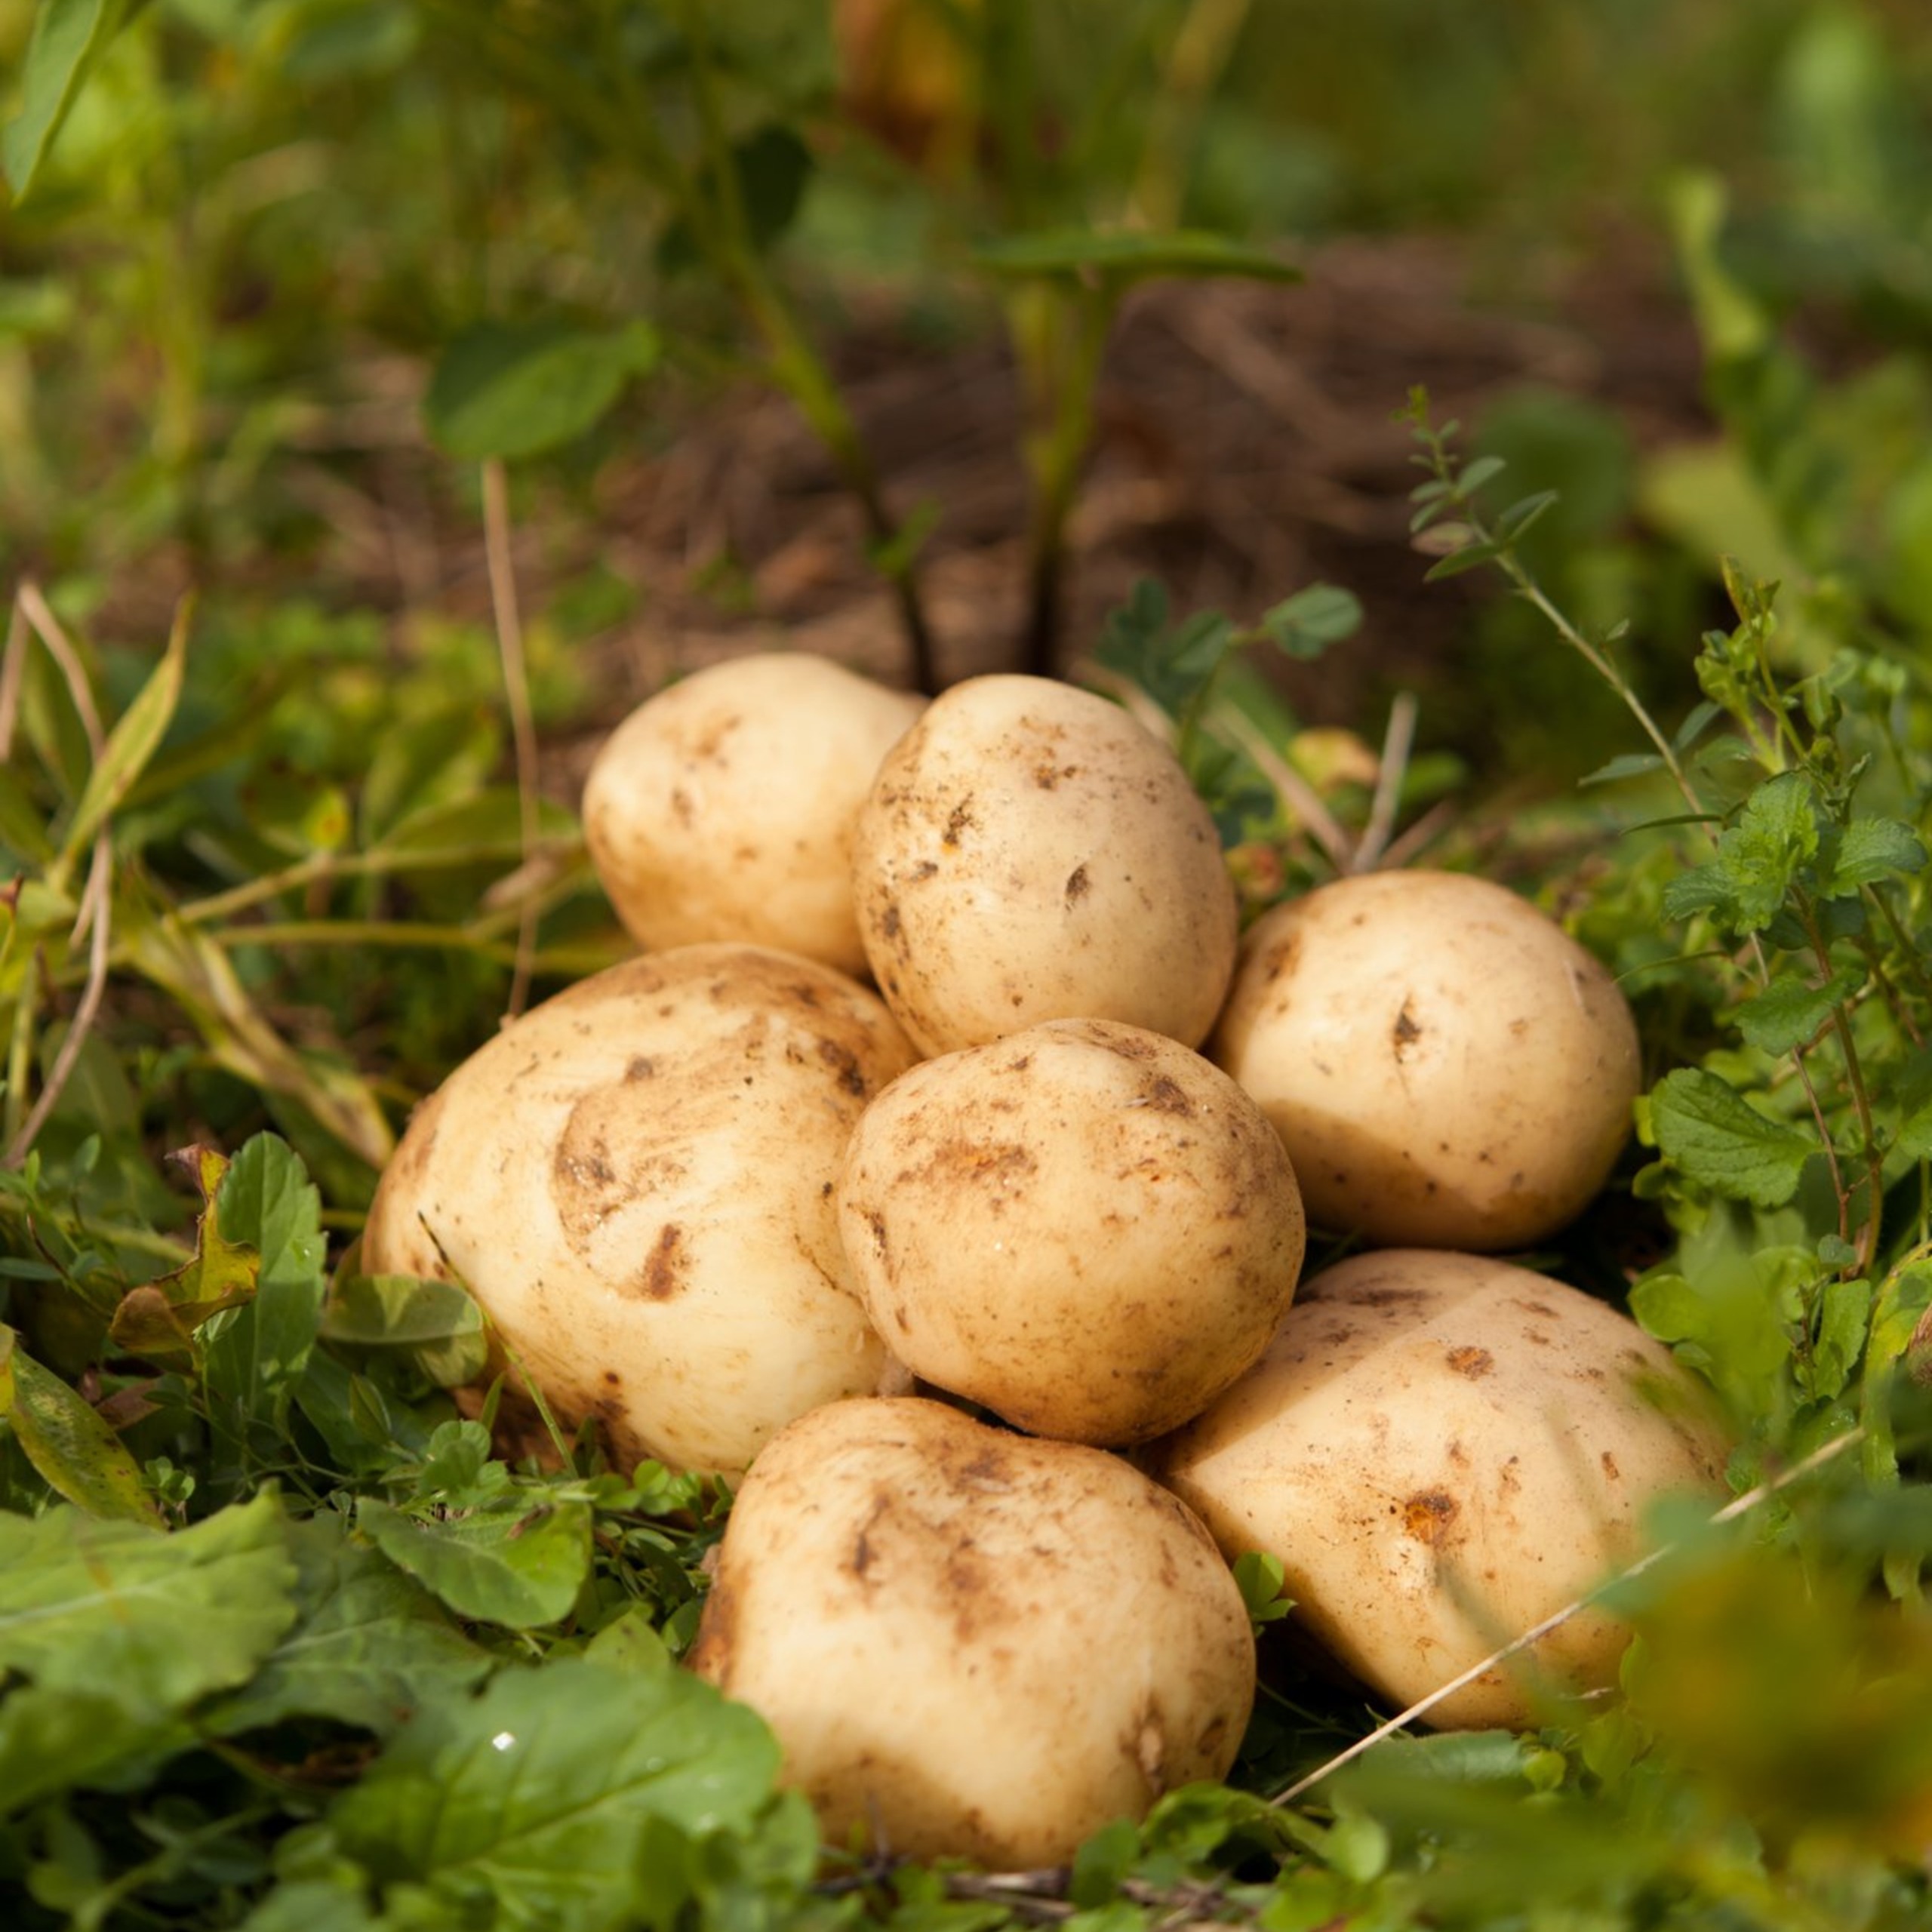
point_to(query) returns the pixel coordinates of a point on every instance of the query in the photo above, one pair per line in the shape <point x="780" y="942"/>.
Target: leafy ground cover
<point x="298" y="1630"/>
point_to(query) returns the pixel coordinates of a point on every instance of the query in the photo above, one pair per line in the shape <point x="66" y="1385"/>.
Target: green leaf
<point x="519" y="1562"/>
<point x="1123" y="257"/>
<point x="69" y="37"/>
<point x="370" y="1648"/>
<point x="1470" y="557"/>
<point x="135" y="738"/>
<point x="1260" y="1577"/>
<point x="1709" y="1132"/>
<point x="535" y="1796"/>
<point x="1870" y="849"/>
<point x="1790" y="1010"/>
<point x="1631" y="765"/>
<point x="1305" y="625"/>
<point x="120" y="1631"/>
<point x="255" y="1354"/>
<point x="435" y="1324"/>
<point x="508" y="390"/>
<point x="77" y="1454"/>
<point x="1526" y="512"/>
<point x="1844" y="1317"/>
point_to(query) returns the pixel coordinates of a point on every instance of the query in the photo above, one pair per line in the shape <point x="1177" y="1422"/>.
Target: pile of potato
<point x="1051" y="1165"/>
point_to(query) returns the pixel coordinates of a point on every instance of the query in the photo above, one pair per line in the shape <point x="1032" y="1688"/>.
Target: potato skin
<point x="723" y="807"/>
<point x="1084" y="1227"/>
<point x="1442" y="1450"/>
<point x="970" y="1644"/>
<point x="1028" y="852"/>
<point x="1445" y="1066"/>
<point x="635" y="1181"/>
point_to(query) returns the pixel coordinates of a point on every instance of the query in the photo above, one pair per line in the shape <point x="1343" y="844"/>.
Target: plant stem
<point x="1861" y="1098"/>
<point x="1060" y="334"/>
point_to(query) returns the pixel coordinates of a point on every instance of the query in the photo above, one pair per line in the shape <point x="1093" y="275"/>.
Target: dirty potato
<point x="1447" y="1067"/>
<point x="723" y="807"/>
<point x="1028" y="852"/>
<point x="1442" y="1450"/>
<point x="971" y="1645"/>
<point x="635" y="1179"/>
<point x="1084" y="1227"/>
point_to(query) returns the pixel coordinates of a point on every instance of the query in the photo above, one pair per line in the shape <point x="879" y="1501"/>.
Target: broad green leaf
<point x="1709" y="1132"/>
<point x="437" y="1325"/>
<point x="1870" y="849"/>
<point x="535" y="1795"/>
<point x="315" y="1905"/>
<point x="1733" y="324"/>
<point x="508" y="390"/>
<point x="77" y="1453"/>
<point x="68" y="41"/>
<point x="1790" y="1010"/>
<point x="22" y="824"/>
<point x="1260" y="1577"/>
<point x="1125" y="256"/>
<point x="1844" y="1319"/>
<point x="136" y="737"/>
<point x="1305" y="625"/>
<point x="519" y="1563"/>
<point x="370" y="1647"/>
<point x="120" y="1631"/>
<point x="774" y="168"/>
<point x="254" y="1356"/>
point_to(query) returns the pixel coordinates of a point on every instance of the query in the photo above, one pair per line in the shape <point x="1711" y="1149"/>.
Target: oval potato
<point x="970" y="1644"/>
<point x="1084" y="1227"/>
<point x="1028" y="852"/>
<point x="1442" y="1450"/>
<point x="1447" y="1067"/>
<point x="723" y="807"/>
<point x="635" y="1181"/>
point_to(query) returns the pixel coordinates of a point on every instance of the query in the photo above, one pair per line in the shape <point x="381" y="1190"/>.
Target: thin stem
<point x="1861" y="1098"/>
<point x="1396" y="746"/>
<point x="516" y="694"/>
<point x="1197" y="58"/>
<point x="96" y="918"/>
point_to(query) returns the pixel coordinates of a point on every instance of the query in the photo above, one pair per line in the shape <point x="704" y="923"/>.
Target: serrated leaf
<point x="519" y="1563"/>
<point x="77" y="1454"/>
<point x="69" y="38"/>
<point x="435" y="1324"/>
<point x="1790" y="1010"/>
<point x="370" y="1646"/>
<point x="135" y="738"/>
<point x="535" y="1795"/>
<point x="1122" y="257"/>
<point x="514" y="389"/>
<point x="1870" y="849"/>
<point x="1709" y="1132"/>
<point x="1766" y="852"/>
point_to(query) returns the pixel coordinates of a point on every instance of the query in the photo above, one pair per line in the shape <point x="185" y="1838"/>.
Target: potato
<point x="1442" y="1450"/>
<point x="1085" y="1227"/>
<point x="723" y="807"/>
<point x="1445" y="1066"/>
<point x="1028" y="853"/>
<point x="970" y="1644"/>
<point x="635" y="1181"/>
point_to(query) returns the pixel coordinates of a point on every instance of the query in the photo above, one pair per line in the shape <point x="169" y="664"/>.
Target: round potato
<point x="971" y="1645"/>
<point x="723" y="807"/>
<point x="1447" y="1067"/>
<point x="1085" y="1227"/>
<point x="635" y="1181"/>
<point x="1028" y="852"/>
<point x="1442" y="1450"/>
